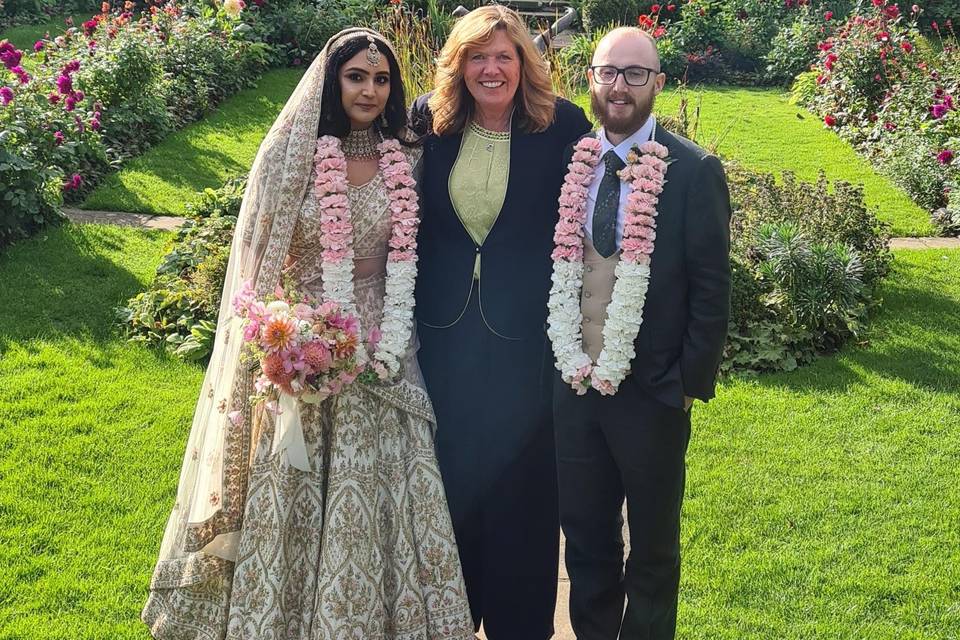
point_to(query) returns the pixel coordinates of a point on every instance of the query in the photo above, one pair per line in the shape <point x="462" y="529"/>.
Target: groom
<point x="632" y="444"/>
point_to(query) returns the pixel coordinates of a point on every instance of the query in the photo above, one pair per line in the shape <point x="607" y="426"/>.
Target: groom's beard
<point x="625" y="125"/>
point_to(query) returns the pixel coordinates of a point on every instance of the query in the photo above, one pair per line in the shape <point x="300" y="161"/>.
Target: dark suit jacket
<point x="680" y="344"/>
<point x="515" y="257"/>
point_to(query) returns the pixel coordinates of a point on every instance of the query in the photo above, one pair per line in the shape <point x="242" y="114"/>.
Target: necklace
<point x="361" y="144"/>
<point x="645" y="172"/>
<point x="390" y="340"/>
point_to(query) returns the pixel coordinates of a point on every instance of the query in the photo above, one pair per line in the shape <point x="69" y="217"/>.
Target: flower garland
<point x="390" y="341"/>
<point x="646" y="173"/>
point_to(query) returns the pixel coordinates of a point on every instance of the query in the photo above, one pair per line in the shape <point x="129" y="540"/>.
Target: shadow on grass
<point x="206" y="169"/>
<point x="914" y="339"/>
<point x="63" y="283"/>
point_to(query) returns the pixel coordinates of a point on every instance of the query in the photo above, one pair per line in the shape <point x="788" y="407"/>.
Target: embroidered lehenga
<point x="358" y="547"/>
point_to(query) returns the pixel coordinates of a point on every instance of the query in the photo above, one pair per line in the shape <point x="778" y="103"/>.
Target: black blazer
<point x="515" y="266"/>
<point x="680" y="344"/>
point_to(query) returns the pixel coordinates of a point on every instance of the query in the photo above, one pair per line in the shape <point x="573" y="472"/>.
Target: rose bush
<point x="103" y="91"/>
<point x="895" y="94"/>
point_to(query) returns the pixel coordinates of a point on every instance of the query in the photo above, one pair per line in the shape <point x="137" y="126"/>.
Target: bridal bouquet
<point x="302" y="349"/>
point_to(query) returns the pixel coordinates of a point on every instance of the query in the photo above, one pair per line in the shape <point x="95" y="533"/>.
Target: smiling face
<point x="364" y="89"/>
<point x="620" y="107"/>
<point x="492" y="73"/>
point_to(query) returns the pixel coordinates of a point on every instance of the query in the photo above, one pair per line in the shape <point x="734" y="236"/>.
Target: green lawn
<point x="91" y="431"/>
<point x="821" y="503"/>
<point x="761" y="129"/>
<point x="824" y="503"/>
<point x="24" y="36"/>
<point x="204" y="154"/>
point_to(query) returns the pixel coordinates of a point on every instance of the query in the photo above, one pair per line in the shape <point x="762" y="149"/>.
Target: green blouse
<point x="478" y="182"/>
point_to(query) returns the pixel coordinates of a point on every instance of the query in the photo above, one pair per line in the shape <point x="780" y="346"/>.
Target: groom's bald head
<point x="630" y="42"/>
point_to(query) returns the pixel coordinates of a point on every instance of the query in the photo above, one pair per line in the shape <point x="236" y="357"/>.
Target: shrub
<point x="49" y="140"/>
<point x="939" y="12"/>
<point x="179" y="310"/>
<point x="947" y="218"/>
<point x="596" y="13"/>
<point x="794" y="47"/>
<point x="104" y="91"/>
<point x="29" y="202"/>
<point x="908" y="160"/>
<point x="895" y="95"/>
<point x="816" y="286"/>
<point x="806" y="264"/>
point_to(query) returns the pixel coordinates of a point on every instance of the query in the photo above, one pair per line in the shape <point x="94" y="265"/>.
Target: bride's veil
<point x="203" y="530"/>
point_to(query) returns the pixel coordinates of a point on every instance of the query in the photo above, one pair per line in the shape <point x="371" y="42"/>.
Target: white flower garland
<point x="646" y="173"/>
<point x="330" y="188"/>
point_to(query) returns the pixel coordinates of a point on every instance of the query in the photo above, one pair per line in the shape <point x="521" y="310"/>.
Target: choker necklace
<point x="361" y="144"/>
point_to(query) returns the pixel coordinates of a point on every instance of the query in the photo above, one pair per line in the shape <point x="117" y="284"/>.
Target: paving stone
<point x="123" y="219"/>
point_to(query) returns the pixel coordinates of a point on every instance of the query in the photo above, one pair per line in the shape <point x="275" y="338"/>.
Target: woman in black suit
<point x="492" y="174"/>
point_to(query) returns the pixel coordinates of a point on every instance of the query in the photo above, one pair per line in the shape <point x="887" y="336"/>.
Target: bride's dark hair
<point x="335" y="121"/>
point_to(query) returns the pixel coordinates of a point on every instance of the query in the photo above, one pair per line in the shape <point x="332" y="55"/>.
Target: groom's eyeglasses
<point x="634" y="76"/>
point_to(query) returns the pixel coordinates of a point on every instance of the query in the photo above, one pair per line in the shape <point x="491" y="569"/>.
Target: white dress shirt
<point x="643" y="134"/>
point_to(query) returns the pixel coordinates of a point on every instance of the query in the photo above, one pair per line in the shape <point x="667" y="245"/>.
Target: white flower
<point x="233" y="7"/>
<point x="278" y="306"/>
<point x="624" y="315"/>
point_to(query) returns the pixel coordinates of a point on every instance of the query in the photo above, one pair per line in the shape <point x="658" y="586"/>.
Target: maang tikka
<point x="373" y="54"/>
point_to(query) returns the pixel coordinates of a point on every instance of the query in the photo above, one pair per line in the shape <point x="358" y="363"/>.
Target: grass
<point x="203" y="154"/>
<point x="23" y="36"/>
<point x="823" y="503"/>
<point x="761" y="129"/>
<point x="91" y="431"/>
<point x="820" y="503"/>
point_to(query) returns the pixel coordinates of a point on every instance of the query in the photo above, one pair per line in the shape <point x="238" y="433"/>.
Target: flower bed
<point x="102" y="92"/>
<point x="893" y="93"/>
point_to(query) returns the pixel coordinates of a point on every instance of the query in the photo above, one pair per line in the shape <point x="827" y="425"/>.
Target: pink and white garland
<point x="391" y="340"/>
<point x="646" y="173"/>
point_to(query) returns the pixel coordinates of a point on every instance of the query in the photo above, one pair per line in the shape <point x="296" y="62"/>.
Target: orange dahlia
<point x="279" y="333"/>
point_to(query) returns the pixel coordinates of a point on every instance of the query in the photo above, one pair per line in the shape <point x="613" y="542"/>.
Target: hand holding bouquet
<point x="304" y="349"/>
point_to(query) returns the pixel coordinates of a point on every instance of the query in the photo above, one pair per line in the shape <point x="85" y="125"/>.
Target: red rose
<point x="829" y="120"/>
<point x="828" y="15"/>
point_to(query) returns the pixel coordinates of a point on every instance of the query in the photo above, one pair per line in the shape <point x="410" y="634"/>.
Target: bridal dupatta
<point x="203" y="531"/>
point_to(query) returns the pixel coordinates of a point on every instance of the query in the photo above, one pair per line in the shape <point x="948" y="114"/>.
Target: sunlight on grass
<point x="203" y="154"/>
<point x="820" y="503"/>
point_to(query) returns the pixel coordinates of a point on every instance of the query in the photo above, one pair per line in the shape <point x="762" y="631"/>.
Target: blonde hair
<point x="451" y="103"/>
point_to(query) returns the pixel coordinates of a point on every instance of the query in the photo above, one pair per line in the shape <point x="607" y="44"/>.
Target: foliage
<point x="179" y="309"/>
<point x="104" y="91"/>
<point x="28" y="202"/>
<point x="794" y="47"/>
<point x="947" y="218"/>
<point x="895" y="94"/>
<point x="296" y="30"/>
<point x="596" y="13"/>
<point x="806" y="265"/>
<point x="417" y="37"/>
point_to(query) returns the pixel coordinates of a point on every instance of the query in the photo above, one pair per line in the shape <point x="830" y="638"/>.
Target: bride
<point x="329" y="520"/>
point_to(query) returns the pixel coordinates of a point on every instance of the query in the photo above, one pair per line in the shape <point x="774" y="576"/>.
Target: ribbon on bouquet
<point x="288" y="434"/>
